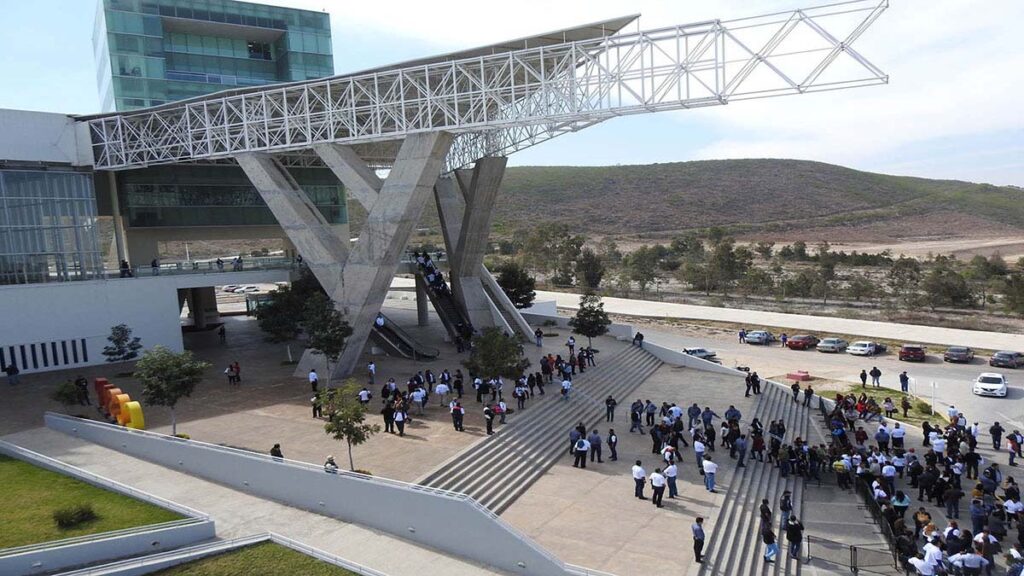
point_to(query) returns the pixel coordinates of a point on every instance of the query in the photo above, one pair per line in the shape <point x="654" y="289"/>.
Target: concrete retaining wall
<point x="61" y="555"/>
<point x="440" y="520"/>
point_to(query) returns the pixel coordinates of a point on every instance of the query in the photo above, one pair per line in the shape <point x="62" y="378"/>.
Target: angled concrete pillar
<point x="374" y="259"/>
<point x="422" y="302"/>
<point x="322" y="249"/>
<point x="360" y="181"/>
<point x="451" y="207"/>
<point x="480" y="192"/>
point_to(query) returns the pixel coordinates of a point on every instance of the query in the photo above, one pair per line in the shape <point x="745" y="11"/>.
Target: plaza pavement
<point x="818" y="324"/>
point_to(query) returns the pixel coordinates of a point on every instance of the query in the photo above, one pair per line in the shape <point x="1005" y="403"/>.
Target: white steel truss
<point x="500" y="103"/>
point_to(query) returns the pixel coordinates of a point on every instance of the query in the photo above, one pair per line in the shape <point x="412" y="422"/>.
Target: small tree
<point x="495" y="354"/>
<point x="591" y="320"/>
<point x="346" y="420"/>
<point x="167" y="377"/>
<point x="327" y="329"/>
<point x="517" y="284"/>
<point x="590" y="269"/>
<point x="123" y="347"/>
<point x="66" y="394"/>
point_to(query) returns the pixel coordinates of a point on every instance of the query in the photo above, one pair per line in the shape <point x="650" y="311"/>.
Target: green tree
<point x="689" y="248"/>
<point x="1013" y="293"/>
<point x="495" y="354"/>
<point x="859" y="286"/>
<point x="326" y="328"/>
<point x="609" y="251"/>
<point x="167" y="377"/>
<point x="727" y="264"/>
<point x="66" y="394"/>
<point x="590" y="269"/>
<point x="517" y="284"/>
<point x="944" y="286"/>
<point x="643" y="267"/>
<point x="904" y="278"/>
<point x="758" y="282"/>
<point x="347" y="418"/>
<point x="590" y="320"/>
<point x="764" y="249"/>
<point x="123" y="346"/>
<point x="826" y="271"/>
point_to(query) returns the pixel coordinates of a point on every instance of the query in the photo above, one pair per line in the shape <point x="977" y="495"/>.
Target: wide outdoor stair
<point x="736" y="548"/>
<point x="499" y="469"/>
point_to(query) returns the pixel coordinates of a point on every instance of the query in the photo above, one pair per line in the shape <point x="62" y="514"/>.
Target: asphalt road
<point x="953" y="381"/>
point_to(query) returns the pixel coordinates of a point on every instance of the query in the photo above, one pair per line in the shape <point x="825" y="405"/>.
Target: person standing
<point x="318" y="407"/>
<point x="740" y="445"/>
<point x="904" y="382"/>
<point x="595" y="446"/>
<point x="489" y="419"/>
<point x="876" y="376"/>
<point x="710" y="468"/>
<point x="996" y="431"/>
<point x="658" y="486"/>
<point x="371" y="372"/>
<point x="388" y="413"/>
<point x="863" y="378"/>
<point x="400" y="418"/>
<point x="566" y="389"/>
<point x="808" y="395"/>
<point x="785" y="506"/>
<point x="698" y="450"/>
<point x="639" y="479"/>
<point x="580" y="453"/>
<point x="83" y="390"/>
<point x="697" y="529"/>
<point x="795" y="536"/>
<point x="771" y="546"/>
<point x="650" y="410"/>
<point x="538" y="335"/>
<point x="571" y="345"/>
<point x="609" y="408"/>
<point x="458" y="414"/>
<point x="796" y="391"/>
<point x="613" y="443"/>
<point x="671" y="474"/>
<point x="314" y="380"/>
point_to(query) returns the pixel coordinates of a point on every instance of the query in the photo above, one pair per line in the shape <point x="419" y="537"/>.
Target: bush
<point x="73" y="516"/>
<point x="183" y="436"/>
<point x="361" y="471"/>
<point x="923" y="407"/>
<point x="551" y="334"/>
<point x="550" y="323"/>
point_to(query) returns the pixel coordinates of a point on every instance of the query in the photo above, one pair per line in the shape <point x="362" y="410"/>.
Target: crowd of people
<point x="947" y="471"/>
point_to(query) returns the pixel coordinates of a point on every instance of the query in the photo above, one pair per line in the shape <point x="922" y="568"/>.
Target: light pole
<point x="934" y="386"/>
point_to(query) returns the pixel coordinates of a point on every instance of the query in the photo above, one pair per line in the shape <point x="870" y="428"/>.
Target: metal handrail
<point x="351" y="475"/>
<point x="418" y="349"/>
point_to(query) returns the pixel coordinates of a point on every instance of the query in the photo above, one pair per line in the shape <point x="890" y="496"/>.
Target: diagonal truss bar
<point x="499" y="103"/>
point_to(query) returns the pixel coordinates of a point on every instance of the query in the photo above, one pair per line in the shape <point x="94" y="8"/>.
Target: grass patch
<point x="919" y="412"/>
<point x="33" y="495"/>
<point x="263" y="559"/>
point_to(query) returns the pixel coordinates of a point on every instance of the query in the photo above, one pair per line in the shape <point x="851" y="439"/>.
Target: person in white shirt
<point x="698" y="450"/>
<point x="924" y="568"/>
<point x="932" y="554"/>
<point x="314" y="380"/>
<point x="1013" y="509"/>
<point x="364" y="396"/>
<point x="671" y="473"/>
<point x="418" y="396"/>
<point x="371" y="370"/>
<point x="639" y="479"/>
<point x="442" y="392"/>
<point x="889" y="475"/>
<point x="580" y="451"/>
<point x="658" y="486"/>
<point x="710" y="468"/>
<point x="379" y="321"/>
<point x="939" y="445"/>
<point x="503" y="410"/>
<point x="970" y="560"/>
<point x="897" y="434"/>
<point x="566" y="388"/>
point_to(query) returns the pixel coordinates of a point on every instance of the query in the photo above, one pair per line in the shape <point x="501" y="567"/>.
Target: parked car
<point x="913" y="353"/>
<point x="247" y="289"/>
<point x="802" y="342"/>
<point x="958" y="354"/>
<point x="832" y="345"/>
<point x="230" y="288"/>
<point x="702" y="353"/>
<point x="865" y="348"/>
<point x="760" y="337"/>
<point x="1006" y="359"/>
<point x="990" y="384"/>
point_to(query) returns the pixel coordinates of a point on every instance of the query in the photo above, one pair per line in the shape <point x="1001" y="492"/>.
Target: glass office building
<point x="47" y="226"/>
<point x="150" y="52"/>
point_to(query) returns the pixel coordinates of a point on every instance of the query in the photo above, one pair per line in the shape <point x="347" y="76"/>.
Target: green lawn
<point x="32" y="494"/>
<point x="263" y="559"/>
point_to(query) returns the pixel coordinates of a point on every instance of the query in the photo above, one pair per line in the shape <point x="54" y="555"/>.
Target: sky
<point x="952" y="108"/>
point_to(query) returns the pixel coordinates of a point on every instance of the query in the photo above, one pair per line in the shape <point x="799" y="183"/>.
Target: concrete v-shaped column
<point x="374" y="259"/>
<point x="323" y="251"/>
<point x="361" y="182"/>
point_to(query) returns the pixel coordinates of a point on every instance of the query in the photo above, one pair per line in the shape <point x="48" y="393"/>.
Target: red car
<point x="802" y="342"/>
<point x="913" y="353"/>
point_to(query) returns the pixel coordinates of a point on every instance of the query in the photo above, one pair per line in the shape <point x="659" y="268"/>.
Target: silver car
<point x="760" y="337"/>
<point x="832" y="345"/>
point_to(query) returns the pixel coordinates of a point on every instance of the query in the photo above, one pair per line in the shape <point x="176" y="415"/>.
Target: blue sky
<point x="951" y="110"/>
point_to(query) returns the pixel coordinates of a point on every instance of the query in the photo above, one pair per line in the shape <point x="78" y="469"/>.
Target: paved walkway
<point x="237" y="514"/>
<point x="800" y="322"/>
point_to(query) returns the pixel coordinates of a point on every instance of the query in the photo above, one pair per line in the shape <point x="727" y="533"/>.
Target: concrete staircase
<point x="499" y="469"/>
<point x="735" y="546"/>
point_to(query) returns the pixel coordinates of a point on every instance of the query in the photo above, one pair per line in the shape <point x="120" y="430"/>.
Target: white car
<point x="247" y="289"/>
<point x="832" y="345"/>
<point x="702" y="353"/>
<point x="990" y="384"/>
<point x="864" y="348"/>
<point x="230" y="288"/>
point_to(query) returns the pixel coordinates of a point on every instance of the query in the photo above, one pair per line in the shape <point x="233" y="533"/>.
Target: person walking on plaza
<point x="314" y="380"/>
<point x="566" y="389"/>
<point x="571" y="345"/>
<point x="609" y="408"/>
<point x="458" y="414"/>
<point x="658" y="486"/>
<point x="697" y="529"/>
<point x="794" y="535"/>
<point x="613" y="443"/>
<point x="371" y="372"/>
<point x="595" y="446"/>
<point x="400" y="418"/>
<point x="580" y="453"/>
<point x="538" y="335"/>
<point x="996" y="432"/>
<point x="710" y="468"/>
<point x="876" y="375"/>
<point x="318" y="406"/>
<point x="388" y="413"/>
<point x="489" y="419"/>
<point x="650" y="410"/>
<point x="639" y="479"/>
<point x="636" y="418"/>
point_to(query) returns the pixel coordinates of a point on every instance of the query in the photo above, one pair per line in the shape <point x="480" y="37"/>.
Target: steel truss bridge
<point x="507" y="97"/>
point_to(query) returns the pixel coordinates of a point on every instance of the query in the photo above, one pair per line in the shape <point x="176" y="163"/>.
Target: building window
<point x="259" y="50"/>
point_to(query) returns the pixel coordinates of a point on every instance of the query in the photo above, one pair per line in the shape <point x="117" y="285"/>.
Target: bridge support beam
<point x="422" y="302"/>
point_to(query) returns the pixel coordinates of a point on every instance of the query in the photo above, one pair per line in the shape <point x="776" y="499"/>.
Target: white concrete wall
<point x="42" y="314"/>
<point x="43" y="137"/>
